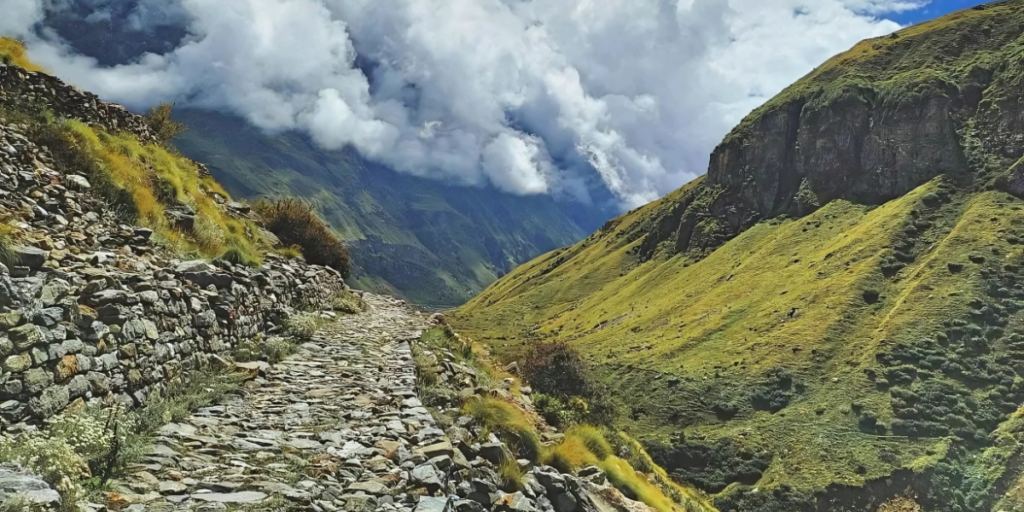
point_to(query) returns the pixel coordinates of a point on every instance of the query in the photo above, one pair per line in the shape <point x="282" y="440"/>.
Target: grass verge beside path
<point x="622" y="458"/>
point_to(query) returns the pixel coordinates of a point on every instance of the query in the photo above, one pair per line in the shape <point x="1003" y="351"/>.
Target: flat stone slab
<point x="231" y="497"/>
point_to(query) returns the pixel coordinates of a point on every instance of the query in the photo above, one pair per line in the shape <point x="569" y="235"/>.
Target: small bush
<point x="345" y="301"/>
<point x="238" y="256"/>
<point x="304" y="325"/>
<point x="160" y="122"/>
<point x="272" y="350"/>
<point x="555" y="368"/>
<point x="294" y="223"/>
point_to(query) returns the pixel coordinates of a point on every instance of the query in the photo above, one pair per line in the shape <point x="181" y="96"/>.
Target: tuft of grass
<point x="272" y="350"/>
<point x="635" y="485"/>
<point x="304" y="325"/>
<point x="12" y="52"/>
<point x="238" y="256"/>
<point x="593" y="438"/>
<point x="291" y="252"/>
<point x="346" y="301"/>
<point x="511" y="475"/>
<point x="500" y="417"/>
<point x="571" y="455"/>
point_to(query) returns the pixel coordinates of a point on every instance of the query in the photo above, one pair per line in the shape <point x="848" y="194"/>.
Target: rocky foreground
<point x="337" y="426"/>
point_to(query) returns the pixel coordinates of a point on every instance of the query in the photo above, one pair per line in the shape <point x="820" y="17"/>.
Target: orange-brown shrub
<point x="294" y="223"/>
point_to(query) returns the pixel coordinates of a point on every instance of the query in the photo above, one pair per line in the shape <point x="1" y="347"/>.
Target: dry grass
<point x="13" y="52"/>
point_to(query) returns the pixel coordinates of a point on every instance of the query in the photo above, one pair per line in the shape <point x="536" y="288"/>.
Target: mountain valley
<point x="836" y="304"/>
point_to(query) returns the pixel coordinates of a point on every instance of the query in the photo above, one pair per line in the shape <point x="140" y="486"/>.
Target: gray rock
<point x="37" y="380"/>
<point x="26" y="336"/>
<point x="193" y="266"/>
<point x="495" y="453"/>
<point x="77" y="182"/>
<point x="231" y="497"/>
<point x="374" y="487"/>
<point x="517" y="502"/>
<point x="17" y="363"/>
<point x="564" y="502"/>
<point x="16" y="480"/>
<point x="52" y="400"/>
<point x="31" y="257"/>
<point x="426" y="476"/>
<point x="429" y="504"/>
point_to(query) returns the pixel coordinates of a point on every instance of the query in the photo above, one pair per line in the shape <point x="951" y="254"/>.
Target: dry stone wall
<point x="91" y="307"/>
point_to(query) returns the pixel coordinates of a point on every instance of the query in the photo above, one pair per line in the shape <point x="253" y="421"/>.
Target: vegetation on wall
<point x="294" y="223"/>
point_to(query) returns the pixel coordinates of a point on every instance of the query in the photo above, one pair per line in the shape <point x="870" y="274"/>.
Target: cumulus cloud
<point x="529" y="96"/>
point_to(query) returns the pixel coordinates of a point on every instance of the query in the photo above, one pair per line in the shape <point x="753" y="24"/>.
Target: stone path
<point x="327" y="429"/>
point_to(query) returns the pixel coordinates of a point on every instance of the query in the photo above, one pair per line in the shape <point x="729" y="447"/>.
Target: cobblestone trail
<point x="314" y="432"/>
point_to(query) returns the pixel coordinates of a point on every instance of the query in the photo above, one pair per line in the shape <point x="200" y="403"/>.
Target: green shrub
<point x="346" y="301"/>
<point x="304" y="325"/>
<point x="272" y="350"/>
<point x="235" y="256"/>
<point x="160" y="122"/>
<point x="294" y="223"/>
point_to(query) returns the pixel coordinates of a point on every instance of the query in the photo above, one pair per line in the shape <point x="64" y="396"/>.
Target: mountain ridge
<point x="836" y="303"/>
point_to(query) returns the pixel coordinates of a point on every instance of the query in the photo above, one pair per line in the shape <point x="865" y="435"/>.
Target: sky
<point x="933" y="10"/>
<point x="558" y="97"/>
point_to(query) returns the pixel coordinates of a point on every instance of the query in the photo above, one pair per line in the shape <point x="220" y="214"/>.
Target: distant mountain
<point x="433" y="243"/>
<point x="833" y="317"/>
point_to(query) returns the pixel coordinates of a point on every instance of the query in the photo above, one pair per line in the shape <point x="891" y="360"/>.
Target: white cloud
<point x="531" y="96"/>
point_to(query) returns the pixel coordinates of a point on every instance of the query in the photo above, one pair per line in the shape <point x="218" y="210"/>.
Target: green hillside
<point x="430" y="242"/>
<point x="832" y="317"/>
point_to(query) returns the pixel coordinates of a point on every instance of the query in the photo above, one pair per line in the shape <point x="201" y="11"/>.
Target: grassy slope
<point x="433" y="243"/>
<point x="722" y="323"/>
<point x="677" y="337"/>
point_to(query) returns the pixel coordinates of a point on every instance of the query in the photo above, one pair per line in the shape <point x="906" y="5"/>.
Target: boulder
<point x="15" y="479"/>
<point x="30" y="257"/>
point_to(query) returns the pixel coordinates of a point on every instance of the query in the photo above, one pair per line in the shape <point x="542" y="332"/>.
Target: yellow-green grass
<point x="718" y="325"/>
<point x="581" y="446"/>
<point x="13" y="52"/>
<point x="151" y="175"/>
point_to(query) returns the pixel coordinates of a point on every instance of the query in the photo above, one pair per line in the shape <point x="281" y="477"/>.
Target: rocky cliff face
<point x="941" y="98"/>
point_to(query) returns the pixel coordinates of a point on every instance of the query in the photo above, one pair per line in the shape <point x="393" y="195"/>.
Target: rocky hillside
<point x="832" y="314"/>
<point x="158" y="354"/>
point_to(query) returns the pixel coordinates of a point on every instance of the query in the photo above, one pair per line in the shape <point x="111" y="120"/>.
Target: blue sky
<point x="933" y="10"/>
